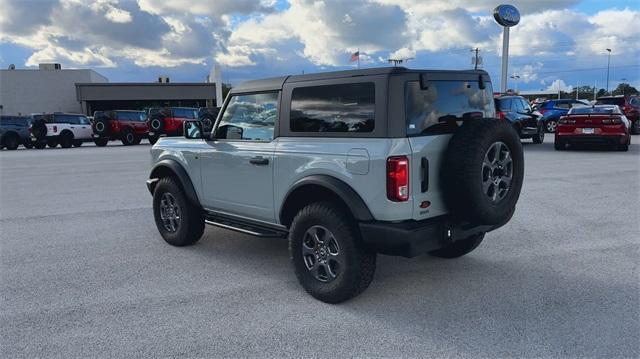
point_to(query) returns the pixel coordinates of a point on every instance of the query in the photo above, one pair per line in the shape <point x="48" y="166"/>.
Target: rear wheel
<point x="625" y="147"/>
<point x="459" y="248"/>
<point x="137" y="140"/>
<point x="179" y="222"/>
<point x="52" y="143"/>
<point x="153" y="139"/>
<point x="559" y="145"/>
<point x="101" y="142"/>
<point x="40" y="145"/>
<point x="128" y="138"/>
<point x="66" y="140"/>
<point x="328" y="257"/>
<point x="77" y="143"/>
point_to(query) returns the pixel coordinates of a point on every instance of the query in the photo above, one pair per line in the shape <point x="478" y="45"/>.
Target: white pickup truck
<point x="65" y="129"/>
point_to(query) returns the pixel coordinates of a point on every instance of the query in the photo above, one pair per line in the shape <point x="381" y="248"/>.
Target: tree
<point x="624" y="89"/>
<point x="602" y="92"/>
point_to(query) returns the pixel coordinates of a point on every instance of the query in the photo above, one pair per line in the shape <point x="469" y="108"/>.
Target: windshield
<point x="437" y="108"/>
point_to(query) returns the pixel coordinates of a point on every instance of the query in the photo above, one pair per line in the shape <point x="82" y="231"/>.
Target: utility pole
<point x="475" y="62"/>
<point x="608" y="63"/>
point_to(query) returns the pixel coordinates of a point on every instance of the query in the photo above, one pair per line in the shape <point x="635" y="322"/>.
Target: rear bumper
<point x="412" y="238"/>
<point x="613" y="139"/>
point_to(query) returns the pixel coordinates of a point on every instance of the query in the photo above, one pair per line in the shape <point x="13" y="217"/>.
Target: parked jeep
<point x="130" y="127"/>
<point x="15" y="131"/>
<point x="346" y="165"/>
<point x="65" y="129"/>
<point x="208" y="115"/>
<point x="169" y="121"/>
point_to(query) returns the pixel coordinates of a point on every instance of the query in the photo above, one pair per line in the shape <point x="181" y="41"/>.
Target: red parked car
<point x="630" y="106"/>
<point x="598" y="124"/>
<point x="130" y="127"/>
<point x="169" y="121"/>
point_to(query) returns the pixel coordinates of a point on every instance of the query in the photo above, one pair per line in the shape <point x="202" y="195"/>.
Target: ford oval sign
<point x="506" y="15"/>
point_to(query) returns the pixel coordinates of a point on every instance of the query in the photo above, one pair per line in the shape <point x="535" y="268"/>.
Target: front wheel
<point x="328" y="257"/>
<point x="77" y="143"/>
<point x="559" y="145"/>
<point x="128" y="138"/>
<point x="539" y="137"/>
<point x="459" y="248"/>
<point x="179" y="222"/>
<point x="551" y="126"/>
<point x="40" y="145"/>
<point x="52" y="143"/>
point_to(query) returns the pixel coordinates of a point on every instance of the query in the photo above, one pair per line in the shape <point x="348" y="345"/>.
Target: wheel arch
<point x="67" y="132"/>
<point x="322" y="187"/>
<point x="171" y="168"/>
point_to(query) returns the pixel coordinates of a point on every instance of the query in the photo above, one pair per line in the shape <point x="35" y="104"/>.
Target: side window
<point x="525" y="105"/>
<point x="333" y="108"/>
<point x="517" y="105"/>
<point x="505" y="104"/>
<point x="249" y="117"/>
<point x="563" y="105"/>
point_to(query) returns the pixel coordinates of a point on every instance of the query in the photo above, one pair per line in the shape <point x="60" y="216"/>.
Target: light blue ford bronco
<point x="346" y="165"/>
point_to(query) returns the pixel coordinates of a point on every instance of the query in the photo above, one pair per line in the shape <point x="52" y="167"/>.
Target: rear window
<point x="333" y="108"/>
<point x="189" y="113"/>
<point x="610" y="101"/>
<point x="601" y="110"/>
<point x="131" y="116"/>
<point x="437" y="108"/>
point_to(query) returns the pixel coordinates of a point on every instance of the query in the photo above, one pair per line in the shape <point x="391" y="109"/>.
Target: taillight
<point x="55" y="128"/>
<point x="398" y="178"/>
<point x="566" y="121"/>
<point x="500" y="115"/>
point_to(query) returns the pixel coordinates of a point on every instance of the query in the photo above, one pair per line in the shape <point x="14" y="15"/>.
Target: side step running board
<point x="244" y="226"/>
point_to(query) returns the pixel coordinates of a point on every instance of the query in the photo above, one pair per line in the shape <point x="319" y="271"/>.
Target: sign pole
<point x="505" y="59"/>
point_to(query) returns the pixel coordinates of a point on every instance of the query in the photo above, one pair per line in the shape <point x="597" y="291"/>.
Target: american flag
<point x="355" y="56"/>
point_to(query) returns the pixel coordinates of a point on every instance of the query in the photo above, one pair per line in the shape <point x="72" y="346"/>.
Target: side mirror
<point x="424" y="81"/>
<point x="192" y="129"/>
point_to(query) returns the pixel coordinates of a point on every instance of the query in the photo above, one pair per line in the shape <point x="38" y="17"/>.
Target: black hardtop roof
<point x="276" y="83"/>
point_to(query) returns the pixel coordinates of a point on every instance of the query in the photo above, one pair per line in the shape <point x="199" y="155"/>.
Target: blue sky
<point x="558" y="44"/>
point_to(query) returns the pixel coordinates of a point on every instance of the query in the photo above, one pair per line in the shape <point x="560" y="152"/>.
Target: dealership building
<point x="52" y="89"/>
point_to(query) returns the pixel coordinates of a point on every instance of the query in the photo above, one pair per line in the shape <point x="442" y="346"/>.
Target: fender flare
<point x="354" y="202"/>
<point x="160" y="169"/>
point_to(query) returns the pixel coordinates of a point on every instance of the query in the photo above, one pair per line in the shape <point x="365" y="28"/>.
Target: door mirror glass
<point x="229" y="132"/>
<point x="192" y="129"/>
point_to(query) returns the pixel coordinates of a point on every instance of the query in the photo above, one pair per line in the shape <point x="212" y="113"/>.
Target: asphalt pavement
<point x="84" y="273"/>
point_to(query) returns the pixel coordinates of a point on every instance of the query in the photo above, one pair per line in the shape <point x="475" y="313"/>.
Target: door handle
<point x="259" y="161"/>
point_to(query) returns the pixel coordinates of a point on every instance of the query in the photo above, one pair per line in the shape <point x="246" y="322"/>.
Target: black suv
<point x="15" y="131"/>
<point x="527" y="122"/>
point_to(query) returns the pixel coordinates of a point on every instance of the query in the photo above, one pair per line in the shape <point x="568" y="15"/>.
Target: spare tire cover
<point x="101" y="125"/>
<point x="39" y="129"/>
<point x="482" y="172"/>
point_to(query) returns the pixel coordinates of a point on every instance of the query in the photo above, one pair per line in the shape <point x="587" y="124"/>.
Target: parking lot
<point x="84" y="272"/>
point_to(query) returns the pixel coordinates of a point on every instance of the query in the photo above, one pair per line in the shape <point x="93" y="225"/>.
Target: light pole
<point x="516" y="78"/>
<point x="608" y="63"/>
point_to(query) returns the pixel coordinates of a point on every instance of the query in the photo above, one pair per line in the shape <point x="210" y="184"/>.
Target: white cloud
<point x="559" y="85"/>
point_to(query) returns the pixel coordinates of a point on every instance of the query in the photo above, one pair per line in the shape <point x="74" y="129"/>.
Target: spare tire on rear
<point x="101" y="125"/>
<point x="39" y="129"/>
<point x="482" y="172"/>
<point x="156" y="124"/>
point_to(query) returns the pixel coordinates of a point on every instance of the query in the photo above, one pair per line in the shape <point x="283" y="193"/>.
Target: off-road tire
<point x="207" y="123"/>
<point x="463" y="172"/>
<point x="11" y="141"/>
<point x="101" y="142"/>
<point x="191" y="224"/>
<point x="77" y="143"/>
<point x="101" y="125"/>
<point x="539" y="137"/>
<point x="128" y="137"/>
<point x="459" y="248"/>
<point x="28" y="145"/>
<point x="137" y="140"/>
<point x="156" y="124"/>
<point x="39" y="129"/>
<point x="358" y="263"/>
<point x="66" y="140"/>
<point x="52" y="143"/>
<point x="559" y="145"/>
<point x="40" y="145"/>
